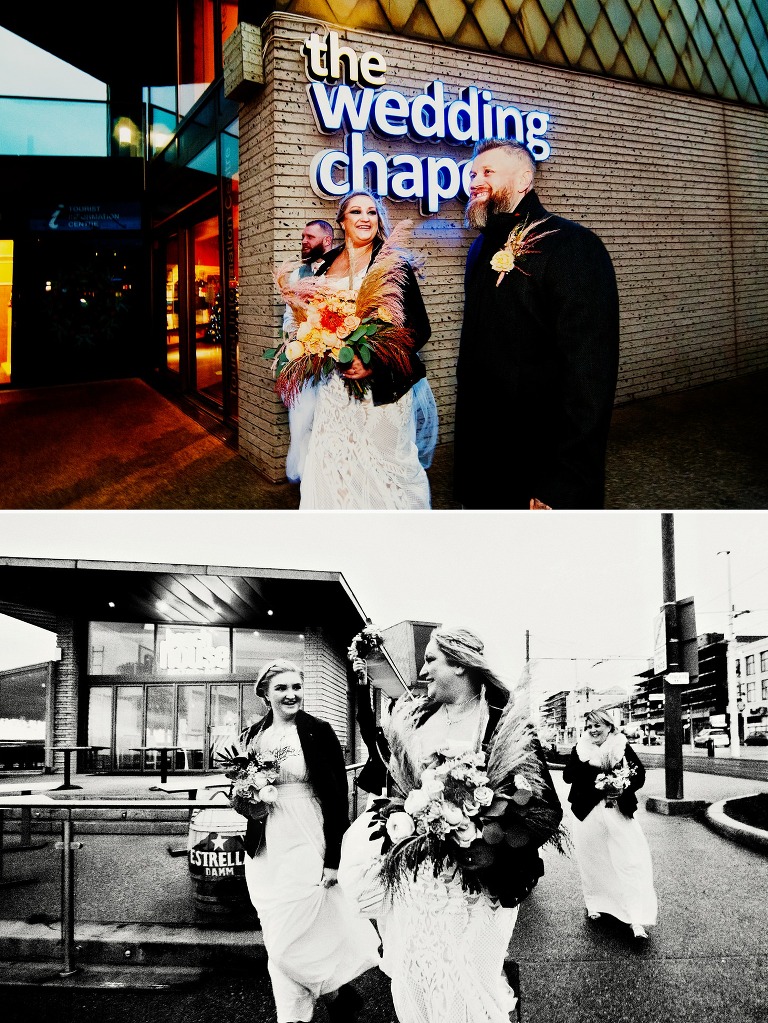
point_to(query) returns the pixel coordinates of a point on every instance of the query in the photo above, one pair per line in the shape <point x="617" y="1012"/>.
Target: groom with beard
<point x="538" y="358"/>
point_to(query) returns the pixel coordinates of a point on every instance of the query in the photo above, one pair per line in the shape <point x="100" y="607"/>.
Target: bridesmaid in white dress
<point x="368" y="453"/>
<point x="611" y="849"/>
<point x="315" y="942"/>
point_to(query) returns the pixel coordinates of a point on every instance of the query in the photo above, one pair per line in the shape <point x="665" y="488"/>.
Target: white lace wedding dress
<point x="352" y="454"/>
<point x="444" y="948"/>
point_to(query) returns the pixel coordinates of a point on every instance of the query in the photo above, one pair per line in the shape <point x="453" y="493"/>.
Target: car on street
<point x="717" y="735"/>
<point x="757" y="739"/>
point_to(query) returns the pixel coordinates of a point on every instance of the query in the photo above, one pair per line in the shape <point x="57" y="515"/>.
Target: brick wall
<point x="673" y="183"/>
<point x="325" y="683"/>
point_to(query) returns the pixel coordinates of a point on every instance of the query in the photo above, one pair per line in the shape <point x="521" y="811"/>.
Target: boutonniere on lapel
<point x="521" y="242"/>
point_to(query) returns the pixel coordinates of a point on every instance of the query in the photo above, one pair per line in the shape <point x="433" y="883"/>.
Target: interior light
<point x="111" y="603"/>
<point x="124" y="135"/>
<point x="270" y="612"/>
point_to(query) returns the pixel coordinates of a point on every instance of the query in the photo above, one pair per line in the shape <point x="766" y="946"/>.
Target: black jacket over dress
<point x="537" y="369"/>
<point x="584" y="797"/>
<point x="327" y="776"/>
<point x="388" y="385"/>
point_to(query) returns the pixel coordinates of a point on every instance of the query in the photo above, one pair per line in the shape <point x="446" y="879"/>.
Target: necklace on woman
<point x="353" y="271"/>
<point x="465" y="709"/>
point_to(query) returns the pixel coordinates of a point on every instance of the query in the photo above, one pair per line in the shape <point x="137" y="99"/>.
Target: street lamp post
<point x="733" y="710"/>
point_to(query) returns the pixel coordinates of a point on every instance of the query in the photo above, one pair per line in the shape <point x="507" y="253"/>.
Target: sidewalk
<point x="706" y="958"/>
<point x="120" y="444"/>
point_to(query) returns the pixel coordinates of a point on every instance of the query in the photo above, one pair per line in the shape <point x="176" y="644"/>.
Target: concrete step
<point x="147" y="945"/>
<point x="96" y="977"/>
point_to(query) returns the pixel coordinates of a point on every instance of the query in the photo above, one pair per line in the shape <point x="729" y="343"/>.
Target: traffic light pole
<point x="673" y="717"/>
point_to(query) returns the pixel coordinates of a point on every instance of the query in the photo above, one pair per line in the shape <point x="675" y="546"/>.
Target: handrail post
<point x="68" y="847"/>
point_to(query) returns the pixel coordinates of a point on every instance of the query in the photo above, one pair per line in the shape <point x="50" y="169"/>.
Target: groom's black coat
<point x="537" y="369"/>
<point x="327" y="776"/>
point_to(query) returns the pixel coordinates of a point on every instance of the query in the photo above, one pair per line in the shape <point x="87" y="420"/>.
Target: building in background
<point x="159" y="656"/>
<point x="146" y="246"/>
<point x="705" y="698"/>
<point x="751" y="662"/>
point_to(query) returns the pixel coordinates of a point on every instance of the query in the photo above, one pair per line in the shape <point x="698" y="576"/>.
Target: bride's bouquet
<point x="336" y="324"/>
<point x="253" y="792"/>
<point x="452" y="818"/>
<point x="615" y="780"/>
<point x="463" y="810"/>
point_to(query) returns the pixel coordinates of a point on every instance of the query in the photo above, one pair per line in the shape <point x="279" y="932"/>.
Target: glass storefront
<point x="195" y="690"/>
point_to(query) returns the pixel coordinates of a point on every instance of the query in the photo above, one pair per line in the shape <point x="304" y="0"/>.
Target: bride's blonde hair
<point x="464" y="648"/>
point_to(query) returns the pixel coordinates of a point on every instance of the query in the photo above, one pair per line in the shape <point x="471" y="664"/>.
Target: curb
<point x="675" y="807"/>
<point x="718" y="820"/>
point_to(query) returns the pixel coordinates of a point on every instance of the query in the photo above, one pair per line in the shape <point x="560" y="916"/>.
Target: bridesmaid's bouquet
<point x="613" y="781"/>
<point x="253" y="792"/>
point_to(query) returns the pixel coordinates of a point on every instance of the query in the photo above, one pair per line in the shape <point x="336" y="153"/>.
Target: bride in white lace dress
<point x="445" y="946"/>
<point x="370" y="452"/>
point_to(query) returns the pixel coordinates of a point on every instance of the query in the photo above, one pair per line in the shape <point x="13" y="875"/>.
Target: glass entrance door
<point x="224" y="719"/>
<point x="6" y="283"/>
<point x="173" y="310"/>
<point x="209" y="311"/>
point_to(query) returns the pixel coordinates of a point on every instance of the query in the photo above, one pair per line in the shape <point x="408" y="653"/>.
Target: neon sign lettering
<point x="430" y="116"/>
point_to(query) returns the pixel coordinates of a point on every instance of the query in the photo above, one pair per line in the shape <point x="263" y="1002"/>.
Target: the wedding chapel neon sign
<point x="345" y="94"/>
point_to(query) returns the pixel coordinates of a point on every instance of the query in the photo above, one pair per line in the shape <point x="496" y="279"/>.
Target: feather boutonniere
<point x="521" y="242"/>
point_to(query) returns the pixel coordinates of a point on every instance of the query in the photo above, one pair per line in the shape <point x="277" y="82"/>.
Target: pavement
<point x="120" y="444"/>
<point x="137" y="927"/>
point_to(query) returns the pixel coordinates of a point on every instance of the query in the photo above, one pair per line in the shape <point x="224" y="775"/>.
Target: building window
<point x="751" y="691"/>
<point x="764" y="696"/>
<point x="749" y="664"/>
<point x="121" y="648"/>
<point x="254" y="647"/>
<point x="763" y="661"/>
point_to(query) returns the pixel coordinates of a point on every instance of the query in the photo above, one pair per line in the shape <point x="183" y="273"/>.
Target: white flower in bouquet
<point x="417" y="802"/>
<point x="400" y="825"/>
<point x="268" y="794"/>
<point x="258" y="780"/>
<point x="483" y="795"/>
<point x="454" y="815"/>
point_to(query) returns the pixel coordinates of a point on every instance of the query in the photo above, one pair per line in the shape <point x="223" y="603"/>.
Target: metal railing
<point x="64" y="810"/>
